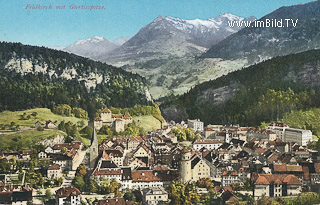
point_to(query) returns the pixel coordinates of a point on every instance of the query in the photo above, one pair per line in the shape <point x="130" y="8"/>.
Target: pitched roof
<point x="67" y="192"/>
<point x="94" y="138"/>
<point x="117" y="116"/>
<point x="106" y="111"/>
<point x="127" y="116"/>
<point x="266" y="179"/>
<point x="54" y="167"/>
<point x="144" y="176"/>
<point x="287" y="168"/>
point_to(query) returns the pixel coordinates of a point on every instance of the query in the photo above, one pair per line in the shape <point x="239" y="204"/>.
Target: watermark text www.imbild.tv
<point x="266" y="23"/>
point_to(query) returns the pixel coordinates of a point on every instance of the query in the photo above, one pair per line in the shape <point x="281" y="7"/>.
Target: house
<point x="42" y="155"/>
<point x="54" y="171"/>
<point x="68" y="194"/>
<point x="193" y="167"/>
<point x="47" y="125"/>
<point x="65" y="161"/>
<point x="275" y="185"/>
<point x="38" y="124"/>
<point x="107" y="168"/>
<point x="143" y="179"/>
<point x="209" y="132"/>
<point x="155" y="195"/>
<point x="229" y="178"/>
<point x="50" y="125"/>
<point x="116" y="155"/>
<point x="196" y="125"/>
<point x="133" y="142"/>
<point x="136" y="163"/>
<point x="126" y="179"/>
<point x="15" y="194"/>
<point x="207" y="143"/>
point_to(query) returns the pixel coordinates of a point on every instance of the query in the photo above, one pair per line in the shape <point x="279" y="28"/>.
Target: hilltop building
<point x="117" y="121"/>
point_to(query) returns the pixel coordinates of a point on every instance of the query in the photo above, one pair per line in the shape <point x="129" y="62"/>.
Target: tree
<point x="81" y="170"/>
<point x="93" y="186"/>
<point x="205" y="183"/>
<point x="79" y="183"/>
<point x="48" y="195"/>
<point x="129" y="196"/>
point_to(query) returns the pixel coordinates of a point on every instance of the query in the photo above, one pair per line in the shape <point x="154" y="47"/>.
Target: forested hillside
<point x="262" y="92"/>
<point x="40" y="77"/>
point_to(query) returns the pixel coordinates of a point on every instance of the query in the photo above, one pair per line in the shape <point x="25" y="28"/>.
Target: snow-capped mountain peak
<point x="95" y="39"/>
<point x="91" y="47"/>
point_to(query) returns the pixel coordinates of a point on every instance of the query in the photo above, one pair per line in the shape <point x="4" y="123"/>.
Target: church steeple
<point x="94" y="139"/>
<point x="93" y="149"/>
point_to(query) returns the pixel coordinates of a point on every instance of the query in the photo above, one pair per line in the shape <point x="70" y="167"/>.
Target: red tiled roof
<point x="67" y="192"/>
<point x="287" y="168"/>
<point x="117" y="116"/>
<point x="265" y="179"/>
<point x="135" y="139"/>
<point x="144" y="176"/>
<point x="106" y="111"/>
<point x="54" y="167"/>
<point x="127" y="116"/>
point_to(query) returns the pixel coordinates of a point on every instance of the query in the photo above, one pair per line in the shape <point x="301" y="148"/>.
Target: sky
<point x="54" y="27"/>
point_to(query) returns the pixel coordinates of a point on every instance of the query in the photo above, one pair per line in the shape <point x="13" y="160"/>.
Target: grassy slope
<point x="148" y="122"/>
<point x="24" y="139"/>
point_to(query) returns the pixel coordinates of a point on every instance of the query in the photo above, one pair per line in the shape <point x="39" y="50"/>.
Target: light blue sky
<point x="120" y="18"/>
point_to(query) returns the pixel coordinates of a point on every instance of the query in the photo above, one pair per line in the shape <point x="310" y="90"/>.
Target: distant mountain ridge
<point x="250" y="96"/>
<point x="33" y="76"/>
<point x="169" y="36"/>
<point x="91" y="47"/>
<point x="258" y="44"/>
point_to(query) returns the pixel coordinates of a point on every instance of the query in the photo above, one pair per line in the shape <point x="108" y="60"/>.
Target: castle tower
<point x="185" y="165"/>
<point x="93" y="149"/>
<point x="106" y="116"/>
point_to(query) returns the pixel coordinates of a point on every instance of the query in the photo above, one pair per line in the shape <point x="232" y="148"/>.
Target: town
<point x="181" y="163"/>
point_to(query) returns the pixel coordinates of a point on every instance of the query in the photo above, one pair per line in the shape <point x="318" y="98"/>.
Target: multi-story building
<point x="155" y="195"/>
<point x="302" y="137"/>
<point x="208" y="144"/>
<point x="276" y="185"/>
<point x="196" y="125"/>
<point x="193" y="167"/>
<point x="54" y="171"/>
<point x="229" y="178"/>
<point x="68" y="194"/>
<point x="118" y="121"/>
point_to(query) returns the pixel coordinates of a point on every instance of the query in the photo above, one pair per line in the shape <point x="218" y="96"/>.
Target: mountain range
<point x="259" y="43"/>
<point x="261" y="92"/>
<point x="33" y="76"/>
<point x="169" y="36"/>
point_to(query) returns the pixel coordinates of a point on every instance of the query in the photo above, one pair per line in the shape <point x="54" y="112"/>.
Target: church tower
<point x="93" y="149"/>
<point x="185" y="165"/>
